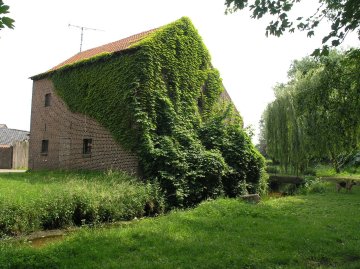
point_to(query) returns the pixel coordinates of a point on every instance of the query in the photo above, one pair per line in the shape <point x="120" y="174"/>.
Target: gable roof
<point x="116" y="46"/>
<point x="3" y="125"/>
<point x="9" y="136"/>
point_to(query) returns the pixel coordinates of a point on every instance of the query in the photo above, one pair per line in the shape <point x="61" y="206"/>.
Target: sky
<point x="249" y="63"/>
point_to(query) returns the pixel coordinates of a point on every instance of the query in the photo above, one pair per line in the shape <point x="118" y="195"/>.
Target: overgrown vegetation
<point x="161" y="99"/>
<point x="315" y="117"/>
<point x="51" y="200"/>
<point x="312" y="231"/>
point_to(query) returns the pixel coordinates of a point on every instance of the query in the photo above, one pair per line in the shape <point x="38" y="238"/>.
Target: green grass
<point x="319" y="170"/>
<point x="49" y="200"/>
<point x="328" y="171"/>
<point x="310" y="231"/>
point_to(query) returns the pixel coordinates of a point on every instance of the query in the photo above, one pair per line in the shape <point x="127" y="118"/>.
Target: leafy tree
<point x="283" y="131"/>
<point x="344" y="16"/>
<point x="316" y="114"/>
<point x="5" y="21"/>
<point x="329" y="103"/>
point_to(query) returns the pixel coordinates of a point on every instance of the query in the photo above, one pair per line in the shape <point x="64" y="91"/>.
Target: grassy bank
<point x="49" y="200"/>
<point x="311" y="231"/>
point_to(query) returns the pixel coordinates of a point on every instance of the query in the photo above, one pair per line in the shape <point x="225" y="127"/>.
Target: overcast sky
<point x="249" y="63"/>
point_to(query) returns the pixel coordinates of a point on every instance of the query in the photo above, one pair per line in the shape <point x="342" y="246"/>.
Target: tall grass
<point x="49" y="200"/>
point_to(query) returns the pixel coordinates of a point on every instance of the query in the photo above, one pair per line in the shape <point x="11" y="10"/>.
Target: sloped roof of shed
<point x="116" y="46"/>
<point x="9" y="136"/>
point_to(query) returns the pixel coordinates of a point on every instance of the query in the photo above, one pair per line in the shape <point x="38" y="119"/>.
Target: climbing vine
<point x="158" y="99"/>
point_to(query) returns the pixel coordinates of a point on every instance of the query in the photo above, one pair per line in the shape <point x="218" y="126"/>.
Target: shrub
<point x="223" y="131"/>
<point x="312" y="185"/>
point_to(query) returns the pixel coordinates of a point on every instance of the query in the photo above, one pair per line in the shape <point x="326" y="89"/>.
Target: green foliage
<point x="283" y="131"/>
<point x="315" y="231"/>
<point x="315" y="115"/>
<point x="272" y="169"/>
<point x="4" y="20"/>
<point x="313" y="185"/>
<point x="344" y="16"/>
<point x="325" y="170"/>
<point x="35" y="201"/>
<point x="223" y="132"/>
<point x="157" y="99"/>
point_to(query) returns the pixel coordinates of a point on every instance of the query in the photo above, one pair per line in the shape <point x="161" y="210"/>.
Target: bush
<point x="313" y="185"/>
<point x="223" y="132"/>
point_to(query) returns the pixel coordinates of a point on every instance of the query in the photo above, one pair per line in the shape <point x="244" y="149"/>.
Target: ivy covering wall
<point x="161" y="99"/>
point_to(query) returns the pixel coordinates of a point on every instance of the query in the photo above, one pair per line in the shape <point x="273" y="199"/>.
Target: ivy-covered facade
<point x="162" y="101"/>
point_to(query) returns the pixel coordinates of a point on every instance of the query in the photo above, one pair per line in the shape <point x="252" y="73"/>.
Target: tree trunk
<point x="335" y="163"/>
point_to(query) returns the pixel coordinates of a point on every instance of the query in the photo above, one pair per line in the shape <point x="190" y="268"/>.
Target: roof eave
<point x="97" y="58"/>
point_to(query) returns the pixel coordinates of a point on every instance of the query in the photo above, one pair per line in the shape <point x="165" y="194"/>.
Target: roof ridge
<point x="17" y="130"/>
<point x="115" y="46"/>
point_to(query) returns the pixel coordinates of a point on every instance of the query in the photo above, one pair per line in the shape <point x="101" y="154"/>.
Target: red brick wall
<point x="65" y="131"/>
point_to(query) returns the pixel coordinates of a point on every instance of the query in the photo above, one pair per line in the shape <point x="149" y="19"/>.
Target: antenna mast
<point x="82" y="28"/>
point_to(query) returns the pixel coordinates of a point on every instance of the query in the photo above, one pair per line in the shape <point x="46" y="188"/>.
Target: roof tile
<point x="116" y="46"/>
<point x="9" y="136"/>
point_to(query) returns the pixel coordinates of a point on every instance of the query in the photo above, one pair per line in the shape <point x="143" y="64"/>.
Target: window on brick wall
<point x="44" y="147"/>
<point x="87" y="144"/>
<point x="48" y="99"/>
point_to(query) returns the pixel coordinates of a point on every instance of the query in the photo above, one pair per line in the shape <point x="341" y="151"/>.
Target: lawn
<point x="318" y="230"/>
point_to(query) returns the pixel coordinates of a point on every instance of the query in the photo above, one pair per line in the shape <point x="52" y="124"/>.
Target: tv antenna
<point x="82" y="28"/>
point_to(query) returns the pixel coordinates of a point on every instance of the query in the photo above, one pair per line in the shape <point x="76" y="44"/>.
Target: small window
<point x="48" y="99"/>
<point x="44" y="147"/>
<point x="87" y="143"/>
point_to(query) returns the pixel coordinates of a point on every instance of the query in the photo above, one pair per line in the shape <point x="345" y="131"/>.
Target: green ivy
<point x="156" y="98"/>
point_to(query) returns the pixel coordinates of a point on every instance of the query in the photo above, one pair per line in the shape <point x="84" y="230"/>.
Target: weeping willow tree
<point x="284" y="135"/>
<point x="316" y="115"/>
<point x="328" y="99"/>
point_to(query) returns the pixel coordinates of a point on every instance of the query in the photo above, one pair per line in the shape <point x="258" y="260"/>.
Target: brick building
<point x="61" y="139"/>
